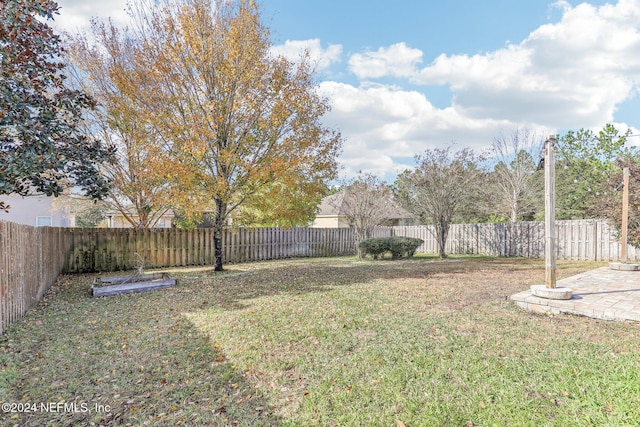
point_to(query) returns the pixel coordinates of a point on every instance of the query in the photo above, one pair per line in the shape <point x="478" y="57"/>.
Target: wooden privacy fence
<point x="108" y="249"/>
<point x="30" y="260"/>
<point x="581" y="240"/>
<point x="92" y="250"/>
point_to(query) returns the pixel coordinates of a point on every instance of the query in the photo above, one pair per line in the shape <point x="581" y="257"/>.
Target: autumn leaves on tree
<point x="220" y="122"/>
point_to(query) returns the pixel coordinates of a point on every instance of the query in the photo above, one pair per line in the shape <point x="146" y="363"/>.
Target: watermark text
<point x="54" y="407"/>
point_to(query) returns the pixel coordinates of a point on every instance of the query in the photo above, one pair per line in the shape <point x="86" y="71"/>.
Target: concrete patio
<point x="601" y="294"/>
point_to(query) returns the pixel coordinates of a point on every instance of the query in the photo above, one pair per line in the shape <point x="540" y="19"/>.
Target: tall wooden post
<point x="550" y="213"/>
<point x="625" y="213"/>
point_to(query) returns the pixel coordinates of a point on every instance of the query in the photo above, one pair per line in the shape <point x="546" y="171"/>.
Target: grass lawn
<point x="326" y="342"/>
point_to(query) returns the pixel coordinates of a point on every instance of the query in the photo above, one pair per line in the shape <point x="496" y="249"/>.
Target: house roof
<point x="332" y="205"/>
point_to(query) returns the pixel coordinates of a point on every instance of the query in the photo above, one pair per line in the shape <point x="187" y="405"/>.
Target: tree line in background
<point x="187" y="109"/>
<point x="505" y="183"/>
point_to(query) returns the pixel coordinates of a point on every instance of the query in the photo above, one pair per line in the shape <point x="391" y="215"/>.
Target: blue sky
<point x="453" y="26"/>
<point x="406" y="76"/>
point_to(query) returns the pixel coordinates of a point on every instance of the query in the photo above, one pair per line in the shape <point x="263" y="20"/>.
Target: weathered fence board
<point x="122" y="249"/>
<point x="30" y="260"/>
<point x="577" y="240"/>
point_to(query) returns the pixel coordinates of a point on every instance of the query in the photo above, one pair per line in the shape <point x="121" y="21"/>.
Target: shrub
<point x="398" y="247"/>
<point x="373" y="247"/>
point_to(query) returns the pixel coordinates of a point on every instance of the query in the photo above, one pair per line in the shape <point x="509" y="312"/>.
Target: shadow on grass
<point x="299" y="276"/>
<point x="140" y="356"/>
<point x="128" y="360"/>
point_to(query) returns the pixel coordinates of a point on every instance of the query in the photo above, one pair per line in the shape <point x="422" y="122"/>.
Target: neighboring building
<point x="115" y="219"/>
<point x="39" y="211"/>
<point x="332" y="214"/>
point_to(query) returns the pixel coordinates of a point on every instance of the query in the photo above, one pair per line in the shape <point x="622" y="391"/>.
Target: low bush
<point x="398" y="247"/>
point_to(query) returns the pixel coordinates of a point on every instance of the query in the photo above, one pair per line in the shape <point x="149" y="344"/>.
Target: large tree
<point x="243" y="125"/>
<point x="517" y="183"/>
<point x="104" y="66"/>
<point x="586" y="161"/>
<point x="43" y="147"/>
<point x="443" y="184"/>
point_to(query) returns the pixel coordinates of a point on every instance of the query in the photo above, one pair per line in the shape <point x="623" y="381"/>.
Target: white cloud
<point x="75" y="15"/>
<point x="384" y="126"/>
<point x="397" y="60"/>
<point x="402" y="122"/>
<point x="569" y="74"/>
<point x="323" y="58"/>
<point x="565" y="75"/>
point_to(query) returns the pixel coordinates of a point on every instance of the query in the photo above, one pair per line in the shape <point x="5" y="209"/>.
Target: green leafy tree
<point x="43" y="148"/>
<point x="443" y="184"/>
<point x="273" y="206"/>
<point x="585" y="162"/>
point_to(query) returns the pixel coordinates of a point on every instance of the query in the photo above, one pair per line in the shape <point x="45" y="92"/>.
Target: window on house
<point x="43" y="221"/>
<point x="161" y="223"/>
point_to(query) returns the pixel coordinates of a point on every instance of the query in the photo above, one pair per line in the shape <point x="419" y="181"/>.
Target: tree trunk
<point x="514" y="207"/>
<point x="442" y="231"/>
<point x="221" y="212"/>
<point x="362" y="234"/>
